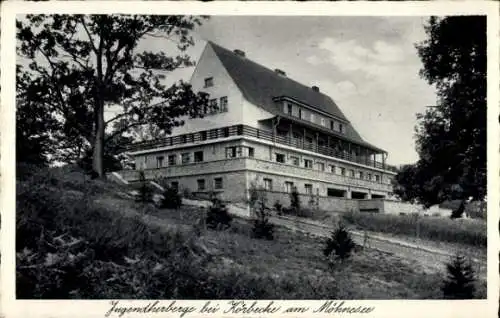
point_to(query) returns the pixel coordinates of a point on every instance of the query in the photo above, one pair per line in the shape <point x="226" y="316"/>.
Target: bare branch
<point x="129" y="113"/>
<point x="61" y="106"/>
<point x="124" y="129"/>
<point x="88" y="34"/>
<point x="169" y="38"/>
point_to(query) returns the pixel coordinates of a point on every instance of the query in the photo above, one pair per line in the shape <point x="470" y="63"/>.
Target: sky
<point x="368" y="65"/>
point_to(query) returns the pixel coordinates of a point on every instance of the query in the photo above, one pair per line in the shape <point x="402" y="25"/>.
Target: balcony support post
<point x="348" y="194"/>
<point x="317" y="142"/>
<point x="304" y="140"/>
<point x="290" y="134"/>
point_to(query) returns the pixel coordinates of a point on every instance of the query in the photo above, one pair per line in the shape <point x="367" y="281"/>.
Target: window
<point x="201" y="184"/>
<point x="308" y="163"/>
<point x="332" y="126"/>
<point x="335" y="193"/>
<point x="239" y="151"/>
<point x="288" y="186"/>
<point x="369" y="177"/>
<point x="230" y="152"/>
<point x="198" y="156"/>
<point x="321" y="166"/>
<point x="289" y="109"/>
<point x="361" y="175"/>
<point x="351" y="173"/>
<point x="185" y="157"/>
<point x="323" y="122"/>
<point x="172" y="160"/>
<point x="377" y="178"/>
<point x="268" y="184"/>
<point x="174" y="185"/>
<point x="312" y="117"/>
<point x="300" y="113"/>
<point x="342" y="171"/>
<point x="223" y="104"/>
<point x="209" y="82"/>
<point x="280" y="158"/>
<point x="295" y="160"/>
<point x="218" y="183"/>
<point x="309" y="188"/>
<point x="332" y="168"/>
<point x="159" y="162"/>
<point x="212" y="106"/>
<point x="341" y="128"/>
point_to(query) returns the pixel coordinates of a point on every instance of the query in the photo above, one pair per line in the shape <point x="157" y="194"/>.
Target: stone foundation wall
<point x="331" y="204"/>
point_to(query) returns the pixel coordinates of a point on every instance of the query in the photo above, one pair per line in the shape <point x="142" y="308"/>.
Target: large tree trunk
<point x="98" y="155"/>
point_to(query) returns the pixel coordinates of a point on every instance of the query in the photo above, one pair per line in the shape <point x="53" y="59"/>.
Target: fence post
<point x="418" y="226"/>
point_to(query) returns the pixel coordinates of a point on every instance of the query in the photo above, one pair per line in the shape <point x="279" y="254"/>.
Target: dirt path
<point x="430" y="259"/>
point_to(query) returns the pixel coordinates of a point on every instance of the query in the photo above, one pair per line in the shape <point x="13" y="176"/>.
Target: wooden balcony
<point x="244" y="130"/>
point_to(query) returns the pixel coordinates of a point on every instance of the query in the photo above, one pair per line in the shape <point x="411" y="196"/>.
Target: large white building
<point x="270" y="130"/>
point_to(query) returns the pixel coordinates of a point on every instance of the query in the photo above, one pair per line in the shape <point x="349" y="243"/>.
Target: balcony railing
<point x="244" y="130"/>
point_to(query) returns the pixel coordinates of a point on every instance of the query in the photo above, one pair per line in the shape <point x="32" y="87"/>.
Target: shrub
<point x="253" y="193"/>
<point x="314" y="202"/>
<point x="339" y="243"/>
<point x="295" y="201"/>
<point x="145" y="193"/>
<point x="171" y="199"/>
<point x="278" y="207"/>
<point x="218" y="218"/>
<point x="455" y="214"/>
<point x="186" y="193"/>
<point x="460" y="280"/>
<point x="262" y="228"/>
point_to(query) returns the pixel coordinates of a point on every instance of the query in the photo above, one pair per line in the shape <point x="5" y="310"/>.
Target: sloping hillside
<point x="81" y="238"/>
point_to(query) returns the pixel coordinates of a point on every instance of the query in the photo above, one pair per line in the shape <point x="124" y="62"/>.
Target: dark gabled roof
<point x="260" y="86"/>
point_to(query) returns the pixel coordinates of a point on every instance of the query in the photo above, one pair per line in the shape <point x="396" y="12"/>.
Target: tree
<point x="112" y="149"/>
<point x="460" y="280"/>
<point x="405" y="183"/>
<point x="295" y="201"/>
<point x="34" y="127"/>
<point x="451" y="136"/>
<point x="81" y="65"/>
<point x="340" y="243"/>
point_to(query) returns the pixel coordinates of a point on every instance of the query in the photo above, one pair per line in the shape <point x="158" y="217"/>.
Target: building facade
<point x="266" y="129"/>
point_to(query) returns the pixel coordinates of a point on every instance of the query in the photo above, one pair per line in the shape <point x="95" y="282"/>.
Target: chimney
<point x="280" y="72"/>
<point x="239" y="53"/>
<point x="315" y="88"/>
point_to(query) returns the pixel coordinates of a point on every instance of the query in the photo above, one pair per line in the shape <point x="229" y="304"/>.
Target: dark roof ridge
<point x="274" y="74"/>
<point x="267" y="68"/>
<point x="261" y="85"/>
